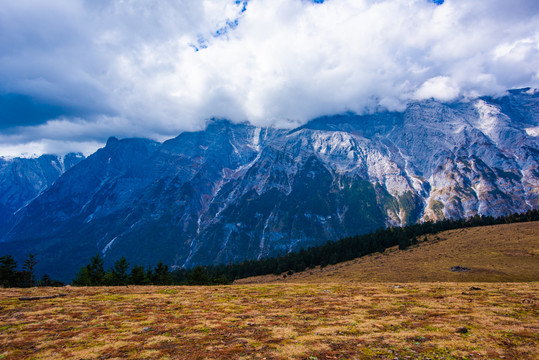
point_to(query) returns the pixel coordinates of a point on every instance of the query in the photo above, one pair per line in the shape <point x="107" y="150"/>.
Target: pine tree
<point x="82" y="278"/>
<point x="119" y="272"/>
<point x="150" y="275"/>
<point x="198" y="276"/>
<point x="45" y="281"/>
<point x="8" y="274"/>
<point x="96" y="271"/>
<point x="161" y="276"/>
<point x="28" y="269"/>
<point x="138" y="276"/>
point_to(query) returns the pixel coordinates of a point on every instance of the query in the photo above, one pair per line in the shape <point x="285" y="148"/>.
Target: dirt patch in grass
<point x="287" y="321"/>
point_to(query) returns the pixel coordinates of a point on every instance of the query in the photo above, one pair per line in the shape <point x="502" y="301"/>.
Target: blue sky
<point x="73" y="73"/>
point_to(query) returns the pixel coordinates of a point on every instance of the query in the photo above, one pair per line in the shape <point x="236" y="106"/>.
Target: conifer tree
<point x="83" y="278"/>
<point x="198" y="276"/>
<point x="138" y="276"/>
<point x="96" y="271"/>
<point x="119" y="272"/>
<point x="28" y="269"/>
<point x="45" y="281"/>
<point x="8" y="274"/>
<point x="161" y="276"/>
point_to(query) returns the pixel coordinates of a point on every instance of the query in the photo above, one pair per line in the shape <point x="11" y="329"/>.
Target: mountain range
<point x="235" y="191"/>
<point x="23" y="179"/>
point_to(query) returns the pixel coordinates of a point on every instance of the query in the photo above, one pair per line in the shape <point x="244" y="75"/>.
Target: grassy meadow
<point x="498" y="253"/>
<point x="379" y="307"/>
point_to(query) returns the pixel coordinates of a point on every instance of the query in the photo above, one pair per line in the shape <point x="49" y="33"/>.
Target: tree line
<point x="11" y="277"/>
<point x="94" y="274"/>
<point x="345" y="249"/>
<point x="332" y="252"/>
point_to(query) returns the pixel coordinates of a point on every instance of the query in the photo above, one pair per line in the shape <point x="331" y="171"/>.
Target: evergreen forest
<point x="332" y="252"/>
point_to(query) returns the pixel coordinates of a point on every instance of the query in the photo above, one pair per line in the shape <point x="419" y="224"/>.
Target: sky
<point x="74" y="72"/>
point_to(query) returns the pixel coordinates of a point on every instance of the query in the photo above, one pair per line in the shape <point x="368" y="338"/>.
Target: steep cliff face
<point x="235" y="191"/>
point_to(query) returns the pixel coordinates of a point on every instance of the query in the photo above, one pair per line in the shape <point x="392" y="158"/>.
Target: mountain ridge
<point x="236" y="191"/>
<point x="23" y="179"/>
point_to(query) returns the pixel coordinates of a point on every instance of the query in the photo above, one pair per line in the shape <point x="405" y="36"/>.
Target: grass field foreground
<point x="287" y="321"/>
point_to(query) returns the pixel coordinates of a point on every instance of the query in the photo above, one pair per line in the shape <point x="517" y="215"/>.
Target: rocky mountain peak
<point x="236" y="191"/>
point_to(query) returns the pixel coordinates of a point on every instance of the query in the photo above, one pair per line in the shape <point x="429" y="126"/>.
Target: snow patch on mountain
<point x="532" y="131"/>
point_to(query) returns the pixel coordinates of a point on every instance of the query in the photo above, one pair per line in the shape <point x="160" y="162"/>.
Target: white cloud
<point x="441" y="88"/>
<point x="48" y="146"/>
<point x="285" y="62"/>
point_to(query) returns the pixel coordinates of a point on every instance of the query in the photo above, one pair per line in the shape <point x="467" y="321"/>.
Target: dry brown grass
<point x="336" y="313"/>
<point x="508" y="253"/>
<point x="286" y="321"/>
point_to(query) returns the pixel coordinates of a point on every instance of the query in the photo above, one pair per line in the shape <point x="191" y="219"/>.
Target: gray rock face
<point x="21" y="180"/>
<point x="235" y="192"/>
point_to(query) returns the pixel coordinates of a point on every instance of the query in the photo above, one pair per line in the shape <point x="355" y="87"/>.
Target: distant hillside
<point x="507" y="253"/>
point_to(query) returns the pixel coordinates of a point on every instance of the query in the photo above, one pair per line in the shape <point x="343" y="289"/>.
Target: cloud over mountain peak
<point x="140" y="69"/>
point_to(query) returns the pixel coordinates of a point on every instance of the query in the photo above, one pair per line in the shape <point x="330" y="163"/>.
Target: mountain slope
<point x="507" y="253"/>
<point x="22" y="179"/>
<point x="235" y="191"/>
